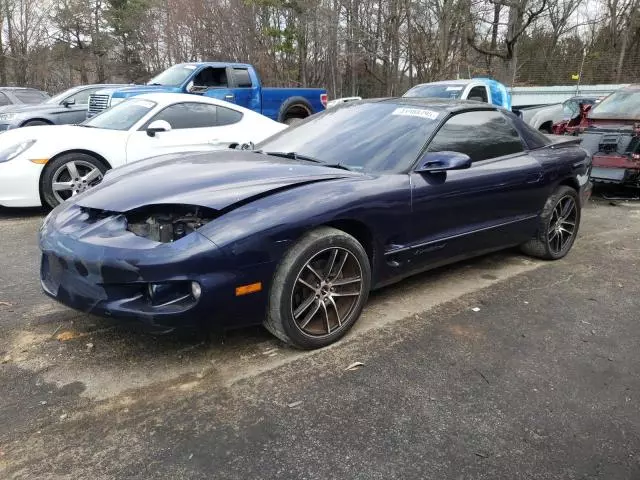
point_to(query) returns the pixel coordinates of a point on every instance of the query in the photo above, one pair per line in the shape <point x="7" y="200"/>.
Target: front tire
<point x="558" y="226"/>
<point x="35" y="123"/>
<point x="319" y="289"/>
<point x="68" y="175"/>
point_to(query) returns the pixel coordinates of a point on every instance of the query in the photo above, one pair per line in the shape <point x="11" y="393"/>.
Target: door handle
<point x="229" y="97"/>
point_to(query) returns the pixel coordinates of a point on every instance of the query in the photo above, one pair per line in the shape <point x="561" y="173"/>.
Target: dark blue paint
<point x="408" y="221"/>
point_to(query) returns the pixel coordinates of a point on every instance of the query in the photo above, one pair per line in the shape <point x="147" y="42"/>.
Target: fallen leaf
<point x="69" y="335"/>
<point x="295" y="404"/>
<point x="354" y="366"/>
<point x="5" y="304"/>
<point x="475" y="309"/>
<point x="6" y="359"/>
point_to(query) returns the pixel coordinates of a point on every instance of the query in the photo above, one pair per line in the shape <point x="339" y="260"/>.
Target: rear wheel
<point x="558" y="226"/>
<point x="69" y="175"/>
<point x="319" y="289"/>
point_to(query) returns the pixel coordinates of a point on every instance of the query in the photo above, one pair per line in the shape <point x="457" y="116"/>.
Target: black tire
<point x="280" y="319"/>
<point x="541" y="245"/>
<point x="47" y="179"/>
<point x="35" y="123"/>
<point x="294" y="108"/>
<point x="546" y="128"/>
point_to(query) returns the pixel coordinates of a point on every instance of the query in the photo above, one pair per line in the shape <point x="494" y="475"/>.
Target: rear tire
<point x="319" y="289"/>
<point x="88" y="173"/>
<point x="557" y="227"/>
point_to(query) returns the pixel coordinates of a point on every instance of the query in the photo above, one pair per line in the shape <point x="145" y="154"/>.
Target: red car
<point x="611" y="132"/>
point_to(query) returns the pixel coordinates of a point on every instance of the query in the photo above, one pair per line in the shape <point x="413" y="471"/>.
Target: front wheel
<point x="69" y="175"/>
<point x="558" y="226"/>
<point x="319" y="289"/>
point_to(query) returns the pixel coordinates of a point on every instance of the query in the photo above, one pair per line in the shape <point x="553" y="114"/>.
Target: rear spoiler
<point x="563" y="140"/>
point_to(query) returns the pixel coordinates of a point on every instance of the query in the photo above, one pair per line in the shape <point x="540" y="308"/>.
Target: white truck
<point x="479" y="89"/>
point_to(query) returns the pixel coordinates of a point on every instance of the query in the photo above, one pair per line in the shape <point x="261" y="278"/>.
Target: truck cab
<point x="484" y="90"/>
<point x="236" y="83"/>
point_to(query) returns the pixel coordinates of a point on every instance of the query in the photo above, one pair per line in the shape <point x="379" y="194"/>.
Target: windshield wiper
<point x="298" y="156"/>
<point x="155" y="84"/>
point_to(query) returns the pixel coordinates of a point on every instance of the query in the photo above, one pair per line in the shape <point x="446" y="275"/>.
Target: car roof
<point x="19" y="88"/>
<point x="216" y="64"/>
<point x="166" y="98"/>
<point x="448" y="105"/>
<point x="463" y="81"/>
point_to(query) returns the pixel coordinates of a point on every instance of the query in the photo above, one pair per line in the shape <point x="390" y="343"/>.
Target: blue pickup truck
<point x="238" y="83"/>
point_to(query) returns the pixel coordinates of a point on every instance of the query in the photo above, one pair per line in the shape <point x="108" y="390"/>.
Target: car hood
<point x="60" y="135"/>
<point x="140" y="89"/>
<point x="24" y="108"/>
<point x="216" y="180"/>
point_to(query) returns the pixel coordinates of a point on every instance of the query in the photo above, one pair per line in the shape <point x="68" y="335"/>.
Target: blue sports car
<point x="297" y="231"/>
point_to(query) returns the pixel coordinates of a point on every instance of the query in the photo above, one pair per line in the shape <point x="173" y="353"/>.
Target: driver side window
<point x="210" y="77"/>
<point x="187" y="115"/>
<point x="480" y="134"/>
<point x="82" y="97"/>
<point x="478" y="94"/>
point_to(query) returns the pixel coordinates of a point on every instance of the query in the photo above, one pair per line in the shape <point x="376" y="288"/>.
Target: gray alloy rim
<point x="74" y="177"/>
<point x="326" y="292"/>
<point x="562" y="225"/>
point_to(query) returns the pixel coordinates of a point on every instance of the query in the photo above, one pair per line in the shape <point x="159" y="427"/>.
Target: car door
<point x="492" y="204"/>
<point x="194" y="127"/>
<point x="212" y="82"/>
<point x="246" y="93"/>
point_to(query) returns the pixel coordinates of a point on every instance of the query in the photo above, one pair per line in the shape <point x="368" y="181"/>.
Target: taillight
<point x="324" y="98"/>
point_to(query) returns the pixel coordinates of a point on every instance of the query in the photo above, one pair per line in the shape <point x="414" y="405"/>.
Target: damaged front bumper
<point x="100" y="267"/>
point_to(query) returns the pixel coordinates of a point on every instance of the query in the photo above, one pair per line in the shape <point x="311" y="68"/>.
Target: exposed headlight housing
<point x="115" y="100"/>
<point x="12" y="151"/>
<point x="4" y="117"/>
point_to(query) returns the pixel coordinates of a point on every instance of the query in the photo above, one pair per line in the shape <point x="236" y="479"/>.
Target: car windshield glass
<point x="621" y="104"/>
<point x="440" y="90"/>
<point x="372" y="137"/>
<point x="56" y="99"/>
<point x="122" y="116"/>
<point x="173" y="76"/>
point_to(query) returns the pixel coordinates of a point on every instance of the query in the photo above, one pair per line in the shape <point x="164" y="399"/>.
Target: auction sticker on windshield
<point x="416" y="112"/>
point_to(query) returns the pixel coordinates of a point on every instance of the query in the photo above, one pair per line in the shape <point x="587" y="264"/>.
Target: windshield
<point x="440" y="90"/>
<point x="372" y="137"/>
<point x="624" y="104"/>
<point x="122" y="116"/>
<point x="174" y="76"/>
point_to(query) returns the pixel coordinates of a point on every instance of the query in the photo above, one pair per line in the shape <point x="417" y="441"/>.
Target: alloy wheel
<point x="326" y="292"/>
<point x="562" y="225"/>
<point x="74" y="177"/>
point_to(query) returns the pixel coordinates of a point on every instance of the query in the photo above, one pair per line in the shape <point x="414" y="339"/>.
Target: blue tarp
<point x="499" y="94"/>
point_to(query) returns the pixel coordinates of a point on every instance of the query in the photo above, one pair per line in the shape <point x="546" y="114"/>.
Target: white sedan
<point x="45" y="165"/>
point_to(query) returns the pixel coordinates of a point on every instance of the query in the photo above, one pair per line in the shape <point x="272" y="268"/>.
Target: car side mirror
<point x="432" y="162"/>
<point x="69" y="102"/>
<point x="158" y="126"/>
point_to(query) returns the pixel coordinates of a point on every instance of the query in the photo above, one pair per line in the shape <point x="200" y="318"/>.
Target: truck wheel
<point x="319" y="289"/>
<point x="294" y="110"/>
<point x="68" y="175"/>
<point x="557" y="226"/>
